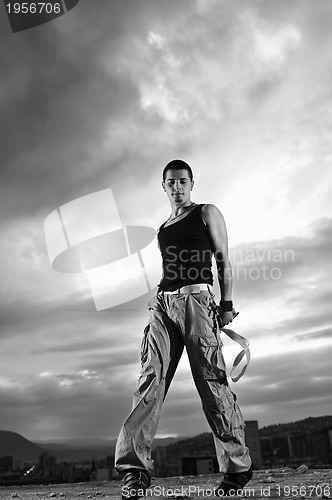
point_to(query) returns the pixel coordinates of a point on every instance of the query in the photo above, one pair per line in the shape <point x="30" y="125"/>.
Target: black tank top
<point x="186" y="251"/>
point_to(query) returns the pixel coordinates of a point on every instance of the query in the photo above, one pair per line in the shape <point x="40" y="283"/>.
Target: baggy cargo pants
<point x="178" y="320"/>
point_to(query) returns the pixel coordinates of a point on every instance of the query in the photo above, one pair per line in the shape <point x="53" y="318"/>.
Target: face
<point x="178" y="186"/>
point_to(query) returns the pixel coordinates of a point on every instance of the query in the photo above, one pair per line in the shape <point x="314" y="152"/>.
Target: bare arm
<point x="217" y="231"/>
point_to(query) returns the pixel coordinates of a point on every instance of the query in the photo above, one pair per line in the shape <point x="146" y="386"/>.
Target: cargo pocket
<point x="203" y="299"/>
<point x="235" y="417"/>
<point x="144" y="345"/>
<point x="211" y="359"/>
<point x="147" y="384"/>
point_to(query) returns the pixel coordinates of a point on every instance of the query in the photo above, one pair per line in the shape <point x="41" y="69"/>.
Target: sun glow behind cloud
<point x="270" y="42"/>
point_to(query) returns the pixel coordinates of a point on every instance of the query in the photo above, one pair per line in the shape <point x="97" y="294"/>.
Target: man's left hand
<point x="226" y="317"/>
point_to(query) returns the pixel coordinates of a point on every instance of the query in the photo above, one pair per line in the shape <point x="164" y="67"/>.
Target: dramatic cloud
<point x="104" y="97"/>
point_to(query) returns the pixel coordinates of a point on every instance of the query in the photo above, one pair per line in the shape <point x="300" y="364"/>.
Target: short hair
<point x="177" y="165"/>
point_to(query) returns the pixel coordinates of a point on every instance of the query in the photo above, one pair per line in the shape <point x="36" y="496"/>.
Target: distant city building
<point x="197" y="455"/>
<point x="46" y="461"/>
<point x="192" y="466"/>
<point x="104" y="474"/>
<point x="6" y="464"/>
<point x="294" y="447"/>
<point x="254" y="444"/>
<point x="308" y="441"/>
<point x="330" y="438"/>
<point x="314" y="448"/>
<point x="17" y="464"/>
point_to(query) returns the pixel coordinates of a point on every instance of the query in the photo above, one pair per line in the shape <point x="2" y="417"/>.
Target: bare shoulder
<point x="216" y="227"/>
<point x="211" y="213"/>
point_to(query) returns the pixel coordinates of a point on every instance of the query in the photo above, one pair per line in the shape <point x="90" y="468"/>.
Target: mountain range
<point x="20" y="448"/>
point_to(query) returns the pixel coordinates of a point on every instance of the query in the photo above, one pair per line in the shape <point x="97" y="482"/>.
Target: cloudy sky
<point x="104" y="97"/>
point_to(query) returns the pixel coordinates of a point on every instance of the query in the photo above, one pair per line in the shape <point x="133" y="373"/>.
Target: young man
<point x="184" y="314"/>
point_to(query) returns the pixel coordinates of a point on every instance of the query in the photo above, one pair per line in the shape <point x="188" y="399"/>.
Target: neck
<point x="178" y="209"/>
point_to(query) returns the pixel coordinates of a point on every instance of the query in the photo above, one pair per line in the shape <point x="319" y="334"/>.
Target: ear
<point x="192" y="185"/>
<point x="163" y="185"/>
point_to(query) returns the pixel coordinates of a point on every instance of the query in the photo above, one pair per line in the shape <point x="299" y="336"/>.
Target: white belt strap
<point x="244" y="343"/>
<point x="196" y="288"/>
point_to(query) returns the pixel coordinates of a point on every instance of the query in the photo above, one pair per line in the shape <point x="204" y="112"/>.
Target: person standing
<point x="183" y="313"/>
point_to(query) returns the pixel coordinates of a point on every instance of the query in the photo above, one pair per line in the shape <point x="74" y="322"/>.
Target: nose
<point x="176" y="187"/>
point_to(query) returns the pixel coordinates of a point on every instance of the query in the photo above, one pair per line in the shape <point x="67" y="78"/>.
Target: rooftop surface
<point x="301" y="483"/>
